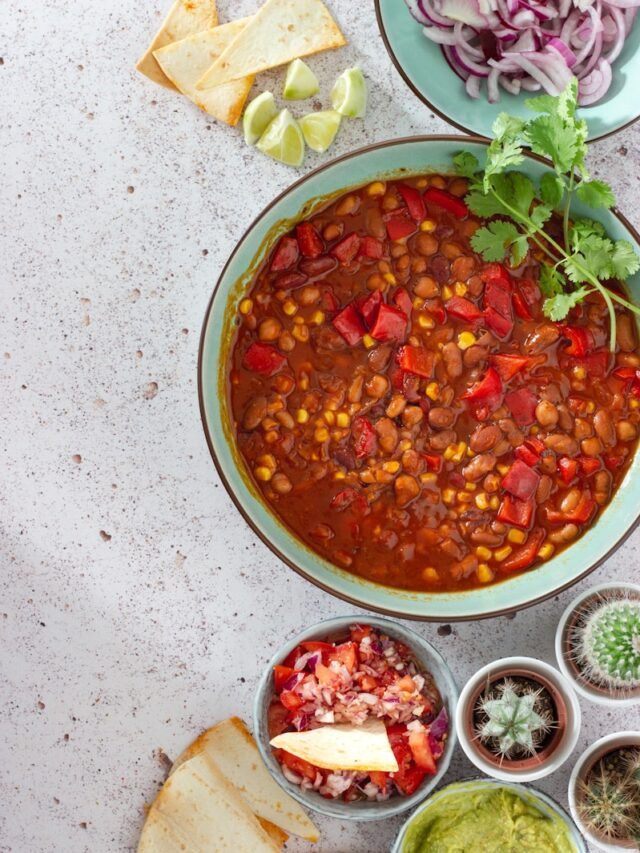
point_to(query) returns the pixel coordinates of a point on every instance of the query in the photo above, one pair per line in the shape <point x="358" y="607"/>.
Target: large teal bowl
<point x="425" y="70"/>
<point x="387" y="159"/>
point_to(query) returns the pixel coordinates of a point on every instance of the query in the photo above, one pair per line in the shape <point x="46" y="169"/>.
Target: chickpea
<point x="459" y="187"/>
<point x="426" y="244"/>
<point x="269" y="329"/>
<point x="626" y="431"/>
<point x="451" y="250"/>
<point x="377" y="386"/>
<point x="349" y="205"/>
<point x="332" y="231"/>
<point x="286" y="342"/>
<point x="411" y="416"/>
<point x="591" y="446"/>
<point x="390" y="202"/>
<point x="281" y="484"/>
<point x="462" y="267"/>
<point x="418" y="265"/>
<point x="403" y="263"/>
<point x="309" y="295"/>
<point x="546" y="414"/>
<point x="406" y="489"/>
<point x="396" y="406"/>
<point x="398" y="250"/>
<point x="376" y="282"/>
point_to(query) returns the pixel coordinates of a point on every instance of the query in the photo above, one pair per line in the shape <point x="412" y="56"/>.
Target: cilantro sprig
<point x="584" y="259"/>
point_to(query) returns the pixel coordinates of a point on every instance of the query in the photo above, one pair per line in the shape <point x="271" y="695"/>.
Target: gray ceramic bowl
<point x="332" y="629"/>
<point x="542" y="801"/>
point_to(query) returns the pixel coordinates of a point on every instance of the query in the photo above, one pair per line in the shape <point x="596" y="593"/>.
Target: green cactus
<point x="513" y="724"/>
<point x="608" y="800"/>
<point x="609" y="649"/>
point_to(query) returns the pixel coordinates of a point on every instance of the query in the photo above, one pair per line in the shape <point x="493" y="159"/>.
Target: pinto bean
<point x="504" y="446"/>
<point x="378" y="358"/>
<point x="411" y="461"/>
<point x="412" y="415"/>
<point x="626" y="430"/>
<point x="564" y="535"/>
<point x="571" y="500"/>
<point x="441" y="418"/>
<point x="426" y="287"/>
<point x="591" y="446"/>
<point x="479" y="466"/>
<point x="451" y="250"/>
<point x="582" y="428"/>
<point x="406" y="488"/>
<point x="354" y="394"/>
<point x="452" y="357"/>
<point x="440" y="440"/>
<point x="475" y="355"/>
<point x="426" y="244"/>
<point x="328" y="338"/>
<point x="491" y="483"/>
<point x="543" y="491"/>
<point x="625" y="332"/>
<point x="452" y="548"/>
<point x="254" y="413"/>
<point x="396" y="406"/>
<point x="387" y="434"/>
<point x="463" y="267"/>
<point x="546" y="414"/>
<point x="541" y="338"/>
<point x="565" y="418"/>
<point x="601" y="487"/>
<point x="484" y="438"/>
<point x="562" y="444"/>
<point x="281" y="484"/>
<point x="605" y="429"/>
<point x="465" y="567"/>
<point x="349" y="205"/>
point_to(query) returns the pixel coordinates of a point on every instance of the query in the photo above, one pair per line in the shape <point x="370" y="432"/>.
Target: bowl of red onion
<point x="469" y="60"/>
<point x="349" y="670"/>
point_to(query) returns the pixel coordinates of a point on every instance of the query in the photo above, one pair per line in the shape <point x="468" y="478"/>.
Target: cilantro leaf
<point x="540" y="214"/>
<point x="552" y="138"/>
<point x="484" y="204"/>
<point x="519" y="250"/>
<point x="542" y="104"/>
<point x="550" y="280"/>
<point x="584" y="229"/>
<point x="495" y="239"/>
<point x="567" y="101"/>
<point x="466" y="164"/>
<point x="507" y="127"/>
<point x="594" y="257"/>
<point x="557" y="307"/>
<point x="551" y="186"/>
<point x="596" y="194"/>
<point x="624" y="261"/>
<point x="501" y="154"/>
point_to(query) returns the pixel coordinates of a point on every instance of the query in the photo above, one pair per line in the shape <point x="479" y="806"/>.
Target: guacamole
<point x="486" y="819"/>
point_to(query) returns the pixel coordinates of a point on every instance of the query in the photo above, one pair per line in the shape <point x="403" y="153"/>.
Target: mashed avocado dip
<point x="486" y="819"/>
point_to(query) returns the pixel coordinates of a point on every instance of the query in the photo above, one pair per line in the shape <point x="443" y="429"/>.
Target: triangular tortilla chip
<point x="200" y="810"/>
<point x="185" y="18"/>
<point x="232" y="748"/>
<point x="342" y="746"/>
<point x="280" y="31"/>
<point x="185" y="61"/>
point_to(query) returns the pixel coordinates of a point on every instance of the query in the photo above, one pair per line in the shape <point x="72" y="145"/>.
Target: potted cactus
<point x="604" y="792"/>
<point x="598" y="644"/>
<point x="518" y="719"/>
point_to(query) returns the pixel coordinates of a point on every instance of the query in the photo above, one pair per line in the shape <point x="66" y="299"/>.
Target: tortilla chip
<point x="185" y="18"/>
<point x="198" y="810"/>
<point x="342" y="746"/>
<point x="280" y="31"/>
<point x="278" y="835"/>
<point x="185" y="61"/>
<point x="230" y="746"/>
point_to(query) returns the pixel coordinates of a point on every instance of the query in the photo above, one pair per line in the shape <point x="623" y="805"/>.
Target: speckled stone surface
<point x="136" y="607"/>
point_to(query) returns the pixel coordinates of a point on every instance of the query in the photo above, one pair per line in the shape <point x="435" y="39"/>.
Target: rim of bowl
<point x="422" y="97"/>
<point x="528" y="788"/>
<point x="330" y="808"/>
<point x="399" y="614"/>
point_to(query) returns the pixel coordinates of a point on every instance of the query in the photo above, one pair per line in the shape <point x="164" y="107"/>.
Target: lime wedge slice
<point x="349" y="94"/>
<point x="283" y="140"/>
<point x="319" y="129"/>
<point x="300" y="82"/>
<point x="257" y="117"/>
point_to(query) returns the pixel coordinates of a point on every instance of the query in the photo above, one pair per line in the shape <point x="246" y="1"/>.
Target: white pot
<point x="588" y="757"/>
<point x="564" y="748"/>
<point x="582" y="686"/>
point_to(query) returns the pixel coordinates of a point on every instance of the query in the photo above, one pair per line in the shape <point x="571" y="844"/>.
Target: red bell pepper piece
<point x="613" y="462"/>
<point x="521" y="307"/>
<point x="521" y="480"/>
<point x="345" y="653"/>
<point x="309" y="240"/>
<point x="531" y="292"/>
<point x="463" y="309"/>
<point x="414" y="202"/>
<point x="499" y="325"/>
<point x="522" y="405"/>
<point x="524" y="556"/>
<point x="289" y="280"/>
<point x="285" y="255"/>
<point x="433" y="461"/>
<point x="628" y="374"/>
<point x="439" y="314"/>
<point x="417" y="360"/>
<point x="371" y="248"/>
<point x="498" y="274"/>
<point x="580" y="340"/>
<point x="364" y="438"/>
<point x="508" y="365"/>
<point x="497" y="295"/>
<point x="263" y="358"/>
<point x="451" y="203"/>
<point x="298" y="765"/>
<point x="390" y="324"/>
<point x="343" y="499"/>
<point x="568" y="469"/>
<point x="421" y="751"/>
<point x="402" y="300"/>
<point x="527" y="455"/>
<point x="516" y="512"/>
<point x="400" y="225"/>
<point x="315" y="267"/>
<point x="486" y="396"/>
<point x="349" y="323"/>
<point x="578" y="515"/>
<point x="588" y="465"/>
<point x="329" y="301"/>
<point x="347" y="248"/>
<point x="370" y="306"/>
<point x="596" y="363"/>
<point x="282" y="674"/>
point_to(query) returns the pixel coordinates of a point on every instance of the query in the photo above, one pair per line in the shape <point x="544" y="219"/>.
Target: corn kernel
<point x="421" y="183"/>
<point x="301" y="333"/>
<point x="430" y="574"/>
<point x="368" y="341"/>
<point x="405" y="444"/>
<point x="321" y="434"/>
<point x="376" y="188"/>
<point x="460" y="452"/>
<point x="425" y="321"/>
<point x="448" y="495"/>
<point x="289" y="307"/>
<point x="339" y="475"/>
<point x="429" y="477"/>
<point x="460" y="288"/>
<point x="535" y="429"/>
<point x="484" y="553"/>
<point x="470" y="452"/>
<point x="246" y="306"/>
<point x="591" y="407"/>
<point x="634" y="404"/>
<point x="447" y="293"/>
<point x="342" y="419"/>
<point x="470" y="487"/>
<point x="418" y="303"/>
<point x="449" y="451"/>
<point x="303" y="383"/>
<point x="390" y="278"/>
<point x="465" y="497"/>
<point x="432" y="391"/>
<point x="466" y="340"/>
<point x="268" y="460"/>
<point x="302" y="416"/>
<point x="317" y="318"/>
<point x="502" y="468"/>
<point x="392" y="467"/>
<point x="501" y="554"/>
<point x="546" y="551"/>
<point x="494" y="502"/>
<point x="329" y="417"/>
<point x="516" y="536"/>
<point x="263" y="473"/>
<point x="579" y="372"/>
<point x="428" y="225"/>
<point x="484" y="573"/>
<point x="271" y="437"/>
<point x="482" y="502"/>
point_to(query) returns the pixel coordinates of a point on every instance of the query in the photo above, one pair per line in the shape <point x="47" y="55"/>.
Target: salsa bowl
<point x="397" y="158"/>
<point x="335" y="629"/>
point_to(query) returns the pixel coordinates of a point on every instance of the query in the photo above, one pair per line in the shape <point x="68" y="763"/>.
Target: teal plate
<point x="384" y="160"/>
<point x="425" y="70"/>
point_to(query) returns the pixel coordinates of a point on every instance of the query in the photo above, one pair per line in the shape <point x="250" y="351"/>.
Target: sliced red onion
<point x="472" y="85"/>
<point x="417" y="10"/>
<point x="493" y="96"/>
<point x="293" y="681"/>
<point x="595" y="85"/>
<point x="567" y="54"/>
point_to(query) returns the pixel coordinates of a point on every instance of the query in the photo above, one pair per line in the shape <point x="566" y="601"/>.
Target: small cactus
<point x="608" y="799"/>
<point x="609" y="645"/>
<point x="514" y="724"/>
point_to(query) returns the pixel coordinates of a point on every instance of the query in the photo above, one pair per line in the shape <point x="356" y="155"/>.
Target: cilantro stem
<point x="567" y="207"/>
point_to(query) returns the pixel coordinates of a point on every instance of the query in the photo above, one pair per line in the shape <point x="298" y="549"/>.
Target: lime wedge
<point x="319" y="129"/>
<point x="257" y="117"/>
<point x="300" y="82"/>
<point x="349" y="94"/>
<point x="283" y="140"/>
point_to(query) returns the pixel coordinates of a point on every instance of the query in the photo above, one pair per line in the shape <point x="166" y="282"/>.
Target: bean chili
<point x="407" y="409"/>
